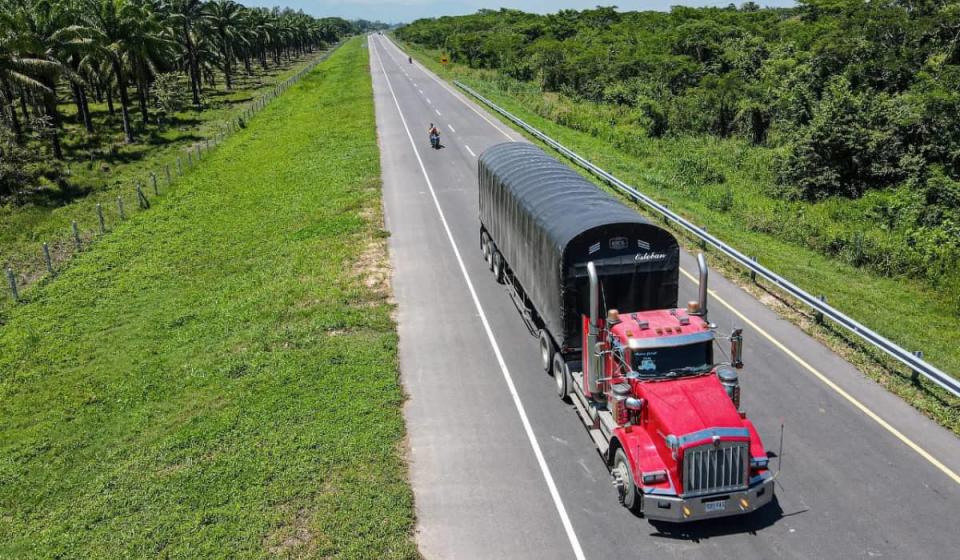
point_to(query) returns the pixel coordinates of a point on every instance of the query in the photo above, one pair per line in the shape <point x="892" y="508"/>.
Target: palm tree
<point x="225" y="19"/>
<point x="124" y="35"/>
<point x="19" y="71"/>
<point x="45" y="31"/>
<point x="184" y="17"/>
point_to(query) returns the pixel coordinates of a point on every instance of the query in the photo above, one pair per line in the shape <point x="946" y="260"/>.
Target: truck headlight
<point x="654" y="477"/>
<point x="759" y="462"/>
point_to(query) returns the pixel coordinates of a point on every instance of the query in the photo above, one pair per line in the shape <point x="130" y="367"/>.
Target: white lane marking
<point x="438" y="112"/>
<point x="565" y="519"/>
<point x="457" y="95"/>
<point x="428" y="100"/>
<point x="450" y="126"/>
<point x="469" y="150"/>
<point x="826" y="381"/>
<point x="420" y="90"/>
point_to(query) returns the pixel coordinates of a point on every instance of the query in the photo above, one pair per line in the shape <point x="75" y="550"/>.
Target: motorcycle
<point x="410" y="60"/>
<point x="435" y="140"/>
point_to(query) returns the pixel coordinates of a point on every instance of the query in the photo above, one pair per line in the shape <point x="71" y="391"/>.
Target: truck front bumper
<point x="680" y="510"/>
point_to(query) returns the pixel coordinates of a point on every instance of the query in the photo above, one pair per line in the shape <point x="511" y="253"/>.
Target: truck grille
<point x="708" y="469"/>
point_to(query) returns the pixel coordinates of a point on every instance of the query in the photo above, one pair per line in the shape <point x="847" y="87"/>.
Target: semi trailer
<point x="599" y="285"/>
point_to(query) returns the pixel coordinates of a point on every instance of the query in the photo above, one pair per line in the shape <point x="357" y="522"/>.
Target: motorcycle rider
<point x="434" y="132"/>
<point x="410" y="59"/>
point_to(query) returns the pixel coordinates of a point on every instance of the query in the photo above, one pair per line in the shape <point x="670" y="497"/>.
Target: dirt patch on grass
<point x="293" y="538"/>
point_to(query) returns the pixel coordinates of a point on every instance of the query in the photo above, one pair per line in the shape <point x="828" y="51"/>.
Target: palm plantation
<point x="57" y="57"/>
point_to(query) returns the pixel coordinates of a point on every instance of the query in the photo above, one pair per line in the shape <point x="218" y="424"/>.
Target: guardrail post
<point x="103" y="226"/>
<point x="818" y="315"/>
<point x="12" y="280"/>
<point x="153" y="179"/>
<point x="703" y="242"/>
<point x="166" y="171"/>
<point x="47" y="259"/>
<point x="123" y="215"/>
<point x="753" y="273"/>
<point x="914" y="374"/>
<point x="76" y="235"/>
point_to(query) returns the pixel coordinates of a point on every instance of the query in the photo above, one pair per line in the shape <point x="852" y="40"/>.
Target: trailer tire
<point x="561" y="376"/>
<point x="492" y="251"/>
<point x="498" y="266"/>
<point x="485" y="246"/>
<point x="546" y="350"/>
<point x="626" y="488"/>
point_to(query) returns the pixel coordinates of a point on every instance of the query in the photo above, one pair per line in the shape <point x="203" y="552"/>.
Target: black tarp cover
<point x="548" y="222"/>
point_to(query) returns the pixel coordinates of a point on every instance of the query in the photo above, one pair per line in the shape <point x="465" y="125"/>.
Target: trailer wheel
<point x="498" y="267"/>
<point x="485" y="246"/>
<point x="546" y="350"/>
<point x="626" y="487"/>
<point x="492" y="251"/>
<point x="561" y="376"/>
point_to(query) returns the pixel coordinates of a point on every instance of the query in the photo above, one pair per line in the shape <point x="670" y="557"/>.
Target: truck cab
<point x="667" y="416"/>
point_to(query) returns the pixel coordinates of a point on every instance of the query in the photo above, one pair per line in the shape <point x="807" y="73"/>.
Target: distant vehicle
<point x="599" y="285"/>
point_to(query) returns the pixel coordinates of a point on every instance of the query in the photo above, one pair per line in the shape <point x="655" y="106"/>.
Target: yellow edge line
<point x="863" y="408"/>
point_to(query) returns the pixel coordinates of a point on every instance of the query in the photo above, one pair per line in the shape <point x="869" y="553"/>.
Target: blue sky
<point x="393" y="11"/>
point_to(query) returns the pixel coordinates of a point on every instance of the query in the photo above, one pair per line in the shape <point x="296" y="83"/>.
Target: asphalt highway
<point x="501" y="468"/>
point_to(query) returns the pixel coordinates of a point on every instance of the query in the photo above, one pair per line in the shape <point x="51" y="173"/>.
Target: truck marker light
<point x="687" y="512"/>
<point x="744" y="504"/>
<point x="654" y="477"/>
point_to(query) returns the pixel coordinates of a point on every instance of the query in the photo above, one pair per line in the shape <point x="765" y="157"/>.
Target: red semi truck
<point x="599" y="285"/>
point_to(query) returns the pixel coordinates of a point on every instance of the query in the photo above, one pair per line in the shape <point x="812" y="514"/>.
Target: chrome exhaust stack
<point x="594" y="363"/>
<point x="702" y="265"/>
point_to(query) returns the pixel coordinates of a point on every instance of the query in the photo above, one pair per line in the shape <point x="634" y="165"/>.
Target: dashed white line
<point x="438" y="112"/>
<point x="527" y="427"/>
<point x="420" y="90"/>
<point x="469" y="150"/>
<point x="428" y="100"/>
<point x="450" y="126"/>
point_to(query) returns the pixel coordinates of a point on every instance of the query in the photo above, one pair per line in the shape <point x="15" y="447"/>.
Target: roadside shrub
<point x="698" y="171"/>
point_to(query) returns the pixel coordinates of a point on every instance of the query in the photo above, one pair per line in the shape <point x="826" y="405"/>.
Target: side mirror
<point x="736" y="348"/>
<point x="634" y="404"/>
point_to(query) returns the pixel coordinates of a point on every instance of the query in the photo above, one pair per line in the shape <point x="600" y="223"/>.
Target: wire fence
<point x="912" y="359"/>
<point x="52" y="256"/>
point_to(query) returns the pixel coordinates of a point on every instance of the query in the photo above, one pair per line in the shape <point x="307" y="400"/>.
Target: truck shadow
<point x="701" y="530"/>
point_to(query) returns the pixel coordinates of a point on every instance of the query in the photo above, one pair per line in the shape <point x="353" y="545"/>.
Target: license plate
<point x="715" y="506"/>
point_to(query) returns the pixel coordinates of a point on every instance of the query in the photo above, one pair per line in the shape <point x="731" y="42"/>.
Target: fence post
<point x="142" y="198"/>
<point x="166" y="171"/>
<point x="179" y="167"/>
<point x="123" y="215"/>
<point x="189" y="158"/>
<point x="47" y="259"/>
<point x="12" y="280"/>
<point x="76" y="235"/>
<point x="103" y="226"/>
<point x="153" y="178"/>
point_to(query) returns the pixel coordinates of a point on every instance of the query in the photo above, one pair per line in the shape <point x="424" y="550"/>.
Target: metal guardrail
<point x="911" y="360"/>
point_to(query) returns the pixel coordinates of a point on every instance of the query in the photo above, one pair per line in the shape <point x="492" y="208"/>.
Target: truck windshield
<point x="674" y="361"/>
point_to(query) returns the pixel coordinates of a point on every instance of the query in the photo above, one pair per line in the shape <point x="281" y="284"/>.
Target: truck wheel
<point x="492" y="251"/>
<point x="498" y="267"/>
<point x="485" y="246"/>
<point x="561" y="376"/>
<point x="626" y="487"/>
<point x="546" y="350"/>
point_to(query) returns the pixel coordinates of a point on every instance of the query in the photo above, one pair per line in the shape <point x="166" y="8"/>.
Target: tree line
<point x="854" y="95"/>
<point x="137" y="56"/>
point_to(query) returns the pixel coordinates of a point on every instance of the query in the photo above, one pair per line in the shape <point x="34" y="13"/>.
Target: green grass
<point x="218" y="377"/>
<point x="906" y="310"/>
<point x="115" y="168"/>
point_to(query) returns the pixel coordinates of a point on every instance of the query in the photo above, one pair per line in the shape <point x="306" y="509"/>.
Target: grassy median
<point x="218" y="377"/>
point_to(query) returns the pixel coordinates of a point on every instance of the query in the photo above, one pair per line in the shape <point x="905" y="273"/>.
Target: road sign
<point x="444" y="59"/>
